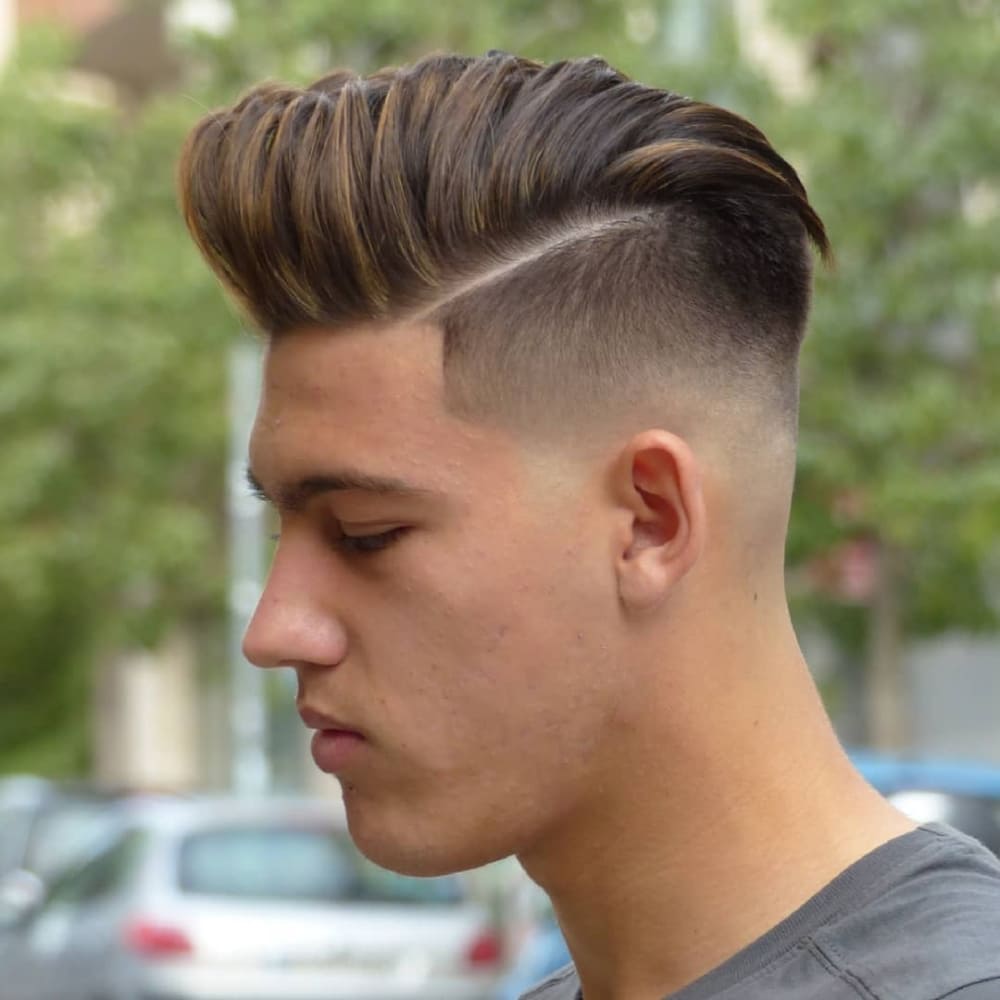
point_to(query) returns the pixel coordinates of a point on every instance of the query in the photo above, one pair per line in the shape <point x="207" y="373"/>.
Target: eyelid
<point x="370" y="530"/>
<point x="369" y="542"/>
<point x="360" y="538"/>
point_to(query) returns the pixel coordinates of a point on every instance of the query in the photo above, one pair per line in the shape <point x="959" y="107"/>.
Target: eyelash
<point x="362" y="545"/>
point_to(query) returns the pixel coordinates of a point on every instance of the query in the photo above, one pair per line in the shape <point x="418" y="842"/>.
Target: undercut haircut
<point x="581" y="239"/>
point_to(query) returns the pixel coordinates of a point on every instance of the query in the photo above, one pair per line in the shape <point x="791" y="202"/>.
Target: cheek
<point x="508" y="650"/>
<point x="497" y="692"/>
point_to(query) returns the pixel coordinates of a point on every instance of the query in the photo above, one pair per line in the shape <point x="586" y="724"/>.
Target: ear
<point x="658" y="483"/>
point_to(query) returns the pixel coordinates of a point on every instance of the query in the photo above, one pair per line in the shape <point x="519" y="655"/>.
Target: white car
<point x="229" y="899"/>
<point x="45" y="826"/>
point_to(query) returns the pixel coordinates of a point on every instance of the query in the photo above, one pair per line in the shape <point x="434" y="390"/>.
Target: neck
<point x="702" y="836"/>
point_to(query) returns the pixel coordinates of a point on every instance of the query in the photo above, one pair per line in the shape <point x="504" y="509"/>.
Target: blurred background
<point x="130" y="555"/>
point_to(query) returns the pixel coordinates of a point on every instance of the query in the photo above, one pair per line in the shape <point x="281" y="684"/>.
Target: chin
<point x="420" y="847"/>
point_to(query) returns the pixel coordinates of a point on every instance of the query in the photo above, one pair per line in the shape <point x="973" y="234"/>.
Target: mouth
<point x="322" y="722"/>
<point x="336" y="743"/>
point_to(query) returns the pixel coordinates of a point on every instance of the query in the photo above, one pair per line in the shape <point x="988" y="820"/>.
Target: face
<point x="441" y="590"/>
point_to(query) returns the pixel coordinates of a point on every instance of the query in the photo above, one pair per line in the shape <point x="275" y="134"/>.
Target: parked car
<point x="42" y="823"/>
<point x="44" y="827"/>
<point x="229" y="899"/>
<point x="976" y="815"/>
<point x="965" y="795"/>
<point x="542" y="952"/>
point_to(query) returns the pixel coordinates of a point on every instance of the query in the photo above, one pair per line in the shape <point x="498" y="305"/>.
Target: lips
<point x="323" y="722"/>
<point x="338" y="746"/>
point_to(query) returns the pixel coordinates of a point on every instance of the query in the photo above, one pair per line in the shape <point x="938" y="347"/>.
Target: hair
<point x="580" y="238"/>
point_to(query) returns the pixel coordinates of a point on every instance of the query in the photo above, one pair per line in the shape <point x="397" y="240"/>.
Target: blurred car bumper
<point x="190" y="983"/>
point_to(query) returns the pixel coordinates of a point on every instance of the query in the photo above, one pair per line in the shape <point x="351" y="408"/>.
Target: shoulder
<point x="987" y="989"/>
<point x="932" y="928"/>
<point x="561" y="985"/>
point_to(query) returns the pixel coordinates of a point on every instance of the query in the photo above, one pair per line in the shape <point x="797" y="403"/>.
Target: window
<point x="15" y="825"/>
<point x="282" y="863"/>
<point x="103" y="875"/>
<point x="65" y="832"/>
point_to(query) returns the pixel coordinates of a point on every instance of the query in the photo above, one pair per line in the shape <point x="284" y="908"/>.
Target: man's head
<point x="544" y="321"/>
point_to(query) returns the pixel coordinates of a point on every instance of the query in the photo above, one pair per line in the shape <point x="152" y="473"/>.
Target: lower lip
<point x="334" y="749"/>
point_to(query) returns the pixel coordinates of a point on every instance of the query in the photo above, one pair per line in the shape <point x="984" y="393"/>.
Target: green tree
<point x="111" y="399"/>
<point x="899" y="465"/>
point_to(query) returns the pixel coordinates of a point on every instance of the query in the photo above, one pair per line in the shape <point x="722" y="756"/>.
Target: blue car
<point x="890" y="774"/>
<point x="963" y="794"/>
<point x="542" y="954"/>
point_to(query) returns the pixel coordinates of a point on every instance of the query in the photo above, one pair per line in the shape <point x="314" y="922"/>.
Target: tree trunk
<point x="888" y="701"/>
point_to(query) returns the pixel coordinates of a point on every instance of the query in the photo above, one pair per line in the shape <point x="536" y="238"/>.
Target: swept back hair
<point x="578" y="236"/>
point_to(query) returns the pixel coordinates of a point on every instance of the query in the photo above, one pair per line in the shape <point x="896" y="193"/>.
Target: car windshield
<point x="64" y="833"/>
<point x="15" y="824"/>
<point x="281" y="863"/>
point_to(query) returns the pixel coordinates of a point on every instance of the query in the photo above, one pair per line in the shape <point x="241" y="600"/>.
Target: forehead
<point x="315" y="370"/>
<point x="369" y="398"/>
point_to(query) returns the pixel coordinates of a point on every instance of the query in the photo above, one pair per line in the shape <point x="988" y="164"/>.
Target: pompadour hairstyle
<point x="574" y="233"/>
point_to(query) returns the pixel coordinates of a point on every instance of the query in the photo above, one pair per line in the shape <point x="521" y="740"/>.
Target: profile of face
<point x="446" y="591"/>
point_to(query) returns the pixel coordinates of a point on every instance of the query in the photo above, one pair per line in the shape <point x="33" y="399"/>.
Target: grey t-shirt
<point x="916" y="919"/>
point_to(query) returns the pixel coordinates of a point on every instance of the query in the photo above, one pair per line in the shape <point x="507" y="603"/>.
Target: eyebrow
<point x="295" y="496"/>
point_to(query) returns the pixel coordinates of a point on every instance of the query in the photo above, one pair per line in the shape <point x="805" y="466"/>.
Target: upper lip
<point x="315" y="719"/>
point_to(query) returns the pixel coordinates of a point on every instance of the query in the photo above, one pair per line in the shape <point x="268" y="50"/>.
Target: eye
<point x="367" y="544"/>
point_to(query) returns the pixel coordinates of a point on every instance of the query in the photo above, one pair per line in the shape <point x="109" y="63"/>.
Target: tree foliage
<point x="901" y="379"/>
<point x="111" y="399"/>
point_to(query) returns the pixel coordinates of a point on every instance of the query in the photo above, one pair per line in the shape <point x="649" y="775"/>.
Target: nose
<point x="293" y="623"/>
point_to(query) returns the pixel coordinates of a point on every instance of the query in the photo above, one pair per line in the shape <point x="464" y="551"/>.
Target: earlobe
<point x="658" y="482"/>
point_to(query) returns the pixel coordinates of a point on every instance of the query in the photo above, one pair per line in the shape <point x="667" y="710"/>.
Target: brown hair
<point x="573" y="232"/>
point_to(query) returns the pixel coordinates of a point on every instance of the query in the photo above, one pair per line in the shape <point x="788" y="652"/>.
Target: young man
<point x="529" y="421"/>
